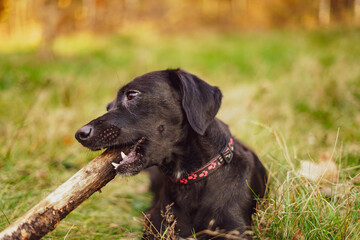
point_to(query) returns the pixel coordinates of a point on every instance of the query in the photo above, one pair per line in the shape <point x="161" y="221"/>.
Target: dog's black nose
<point x="84" y="133"/>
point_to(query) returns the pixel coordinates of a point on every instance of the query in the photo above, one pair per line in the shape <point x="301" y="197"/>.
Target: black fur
<point x="174" y="112"/>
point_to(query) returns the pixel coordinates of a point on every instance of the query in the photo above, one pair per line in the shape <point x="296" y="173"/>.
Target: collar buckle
<point x="227" y="155"/>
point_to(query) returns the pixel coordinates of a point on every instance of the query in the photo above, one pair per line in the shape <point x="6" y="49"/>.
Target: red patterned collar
<point x="225" y="156"/>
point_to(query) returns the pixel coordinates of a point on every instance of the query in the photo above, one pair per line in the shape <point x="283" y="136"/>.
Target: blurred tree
<point x="342" y="11"/>
<point x="357" y="11"/>
<point x="49" y="16"/>
<point x="2" y="8"/>
<point x="324" y="12"/>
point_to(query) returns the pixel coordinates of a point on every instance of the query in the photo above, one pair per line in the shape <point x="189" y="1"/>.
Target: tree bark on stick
<point x="46" y="215"/>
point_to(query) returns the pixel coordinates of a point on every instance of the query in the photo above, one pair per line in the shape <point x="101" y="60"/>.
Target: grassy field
<point x="291" y="96"/>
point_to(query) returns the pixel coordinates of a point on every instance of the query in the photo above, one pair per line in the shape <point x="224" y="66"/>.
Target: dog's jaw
<point x="131" y="162"/>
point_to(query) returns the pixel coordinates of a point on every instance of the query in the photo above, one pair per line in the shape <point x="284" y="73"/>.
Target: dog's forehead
<point x="148" y="82"/>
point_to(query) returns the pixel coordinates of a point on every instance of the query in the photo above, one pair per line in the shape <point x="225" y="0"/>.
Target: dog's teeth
<point x="115" y="165"/>
<point x="123" y="155"/>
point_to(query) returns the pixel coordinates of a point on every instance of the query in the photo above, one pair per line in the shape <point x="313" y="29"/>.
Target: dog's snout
<point x="84" y="133"/>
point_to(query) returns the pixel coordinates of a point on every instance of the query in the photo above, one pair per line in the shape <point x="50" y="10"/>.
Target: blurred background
<point x="288" y="69"/>
<point x="47" y="19"/>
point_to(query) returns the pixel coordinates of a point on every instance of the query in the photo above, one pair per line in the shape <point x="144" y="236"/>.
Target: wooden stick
<point x="46" y="215"/>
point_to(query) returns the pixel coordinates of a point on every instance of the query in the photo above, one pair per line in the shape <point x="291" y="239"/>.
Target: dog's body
<point x="167" y="119"/>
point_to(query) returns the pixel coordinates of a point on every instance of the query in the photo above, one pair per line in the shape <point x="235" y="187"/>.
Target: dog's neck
<point x="194" y="151"/>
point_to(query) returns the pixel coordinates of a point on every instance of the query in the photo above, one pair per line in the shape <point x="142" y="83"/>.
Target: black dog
<point x="167" y="119"/>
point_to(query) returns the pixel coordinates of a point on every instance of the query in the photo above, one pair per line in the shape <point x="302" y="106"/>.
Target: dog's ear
<point x="200" y="101"/>
<point x="110" y="105"/>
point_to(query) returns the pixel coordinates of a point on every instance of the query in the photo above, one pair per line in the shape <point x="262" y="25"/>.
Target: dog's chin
<point x="130" y="169"/>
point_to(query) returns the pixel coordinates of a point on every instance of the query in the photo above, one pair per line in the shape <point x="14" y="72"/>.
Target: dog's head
<point x="150" y="115"/>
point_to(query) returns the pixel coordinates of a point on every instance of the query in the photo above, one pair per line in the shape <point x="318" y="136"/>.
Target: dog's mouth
<point x="131" y="156"/>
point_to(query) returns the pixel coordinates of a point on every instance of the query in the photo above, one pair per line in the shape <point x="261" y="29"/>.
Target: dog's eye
<point x="132" y="94"/>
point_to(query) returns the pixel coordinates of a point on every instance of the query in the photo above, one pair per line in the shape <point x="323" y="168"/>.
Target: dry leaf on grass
<point x="325" y="171"/>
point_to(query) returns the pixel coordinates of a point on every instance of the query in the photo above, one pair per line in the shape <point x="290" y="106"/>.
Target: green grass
<point x="291" y="96"/>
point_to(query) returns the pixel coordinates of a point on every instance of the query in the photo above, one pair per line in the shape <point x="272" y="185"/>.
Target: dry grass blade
<point x="167" y="230"/>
